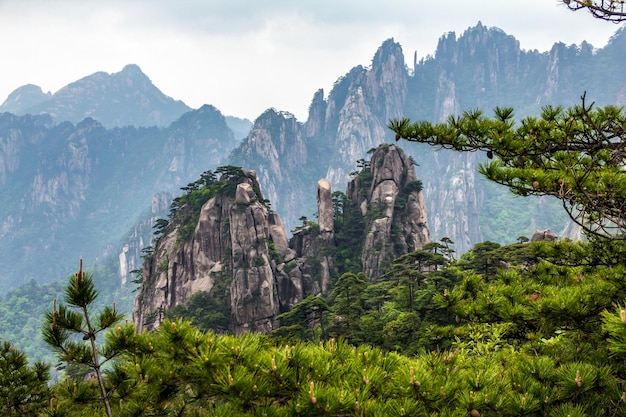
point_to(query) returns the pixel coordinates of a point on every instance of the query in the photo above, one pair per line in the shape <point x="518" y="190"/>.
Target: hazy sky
<point x="246" y="56"/>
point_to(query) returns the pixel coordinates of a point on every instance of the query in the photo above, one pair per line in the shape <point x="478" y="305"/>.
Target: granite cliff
<point x="72" y="191"/>
<point x="481" y="68"/>
<point x="237" y="248"/>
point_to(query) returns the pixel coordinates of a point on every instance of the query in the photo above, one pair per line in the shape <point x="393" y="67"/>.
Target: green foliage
<point x="575" y="155"/>
<point x="402" y="197"/>
<point x="207" y="311"/>
<point x="540" y="331"/>
<point x="304" y="320"/>
<point x="22" y="310"/>
<point x="23" y="389"/>
<point x="543" y="322"/>
<point x="489" y="367"/>
<point x="349" y="233"/>
<point x="185" y="210"/>
<point x="72" y="331"/>
<point x="347" y="304"/>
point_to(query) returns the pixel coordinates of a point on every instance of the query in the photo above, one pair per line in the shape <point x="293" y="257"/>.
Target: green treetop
<point x="23" y="389"/>
<point x="72" y="332"/>
<point x="576" y="155"/>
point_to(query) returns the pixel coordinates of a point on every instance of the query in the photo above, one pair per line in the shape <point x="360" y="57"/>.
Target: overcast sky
<point x="246" y="56"/>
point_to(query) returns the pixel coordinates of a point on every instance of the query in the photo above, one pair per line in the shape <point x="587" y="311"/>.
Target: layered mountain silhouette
<point x="125" y="98"/>
<point x="71" y="191"/>
<point x="80" y="168"/>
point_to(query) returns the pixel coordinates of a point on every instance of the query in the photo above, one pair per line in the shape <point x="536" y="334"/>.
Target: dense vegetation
<point x="185" y="210"/>
<point x="532" y="328"/>
<point x="526" y="329"/>
<point x="529" y="329"/>
<point x="22" y="310"/>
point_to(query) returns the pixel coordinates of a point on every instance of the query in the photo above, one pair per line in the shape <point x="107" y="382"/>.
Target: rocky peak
<point x="361" y="104"/>
<point x="390" y="75"/>
<point x="390" y="198"/>
<point x="23" y="98"/>
<point x="317" y="112"/>
<point x="119" y="99"/>
<point x="277" y="144"/>
<point x="228" y="247"/>
<point x="132" y="71"/>
<point x="237" y="249"/>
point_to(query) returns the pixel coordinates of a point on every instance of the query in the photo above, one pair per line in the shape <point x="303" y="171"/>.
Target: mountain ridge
<point x="224" y="240"/>
<point x="475" y="69"/>
<point x="71" y="191"/>
<point x="104" y="97"/>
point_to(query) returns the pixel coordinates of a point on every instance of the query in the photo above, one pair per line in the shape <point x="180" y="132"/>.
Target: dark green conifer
<point x="23" y="389"/>
<point x="72" y="331"/>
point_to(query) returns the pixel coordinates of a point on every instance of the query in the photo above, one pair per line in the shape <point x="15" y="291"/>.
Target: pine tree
<point x="609" y="10"/>
<point x="576" y="155"/>
<point x="23" y="389"/>
<point x="348" y="303"/>
<point x="72" y="331"/>
<point x="303" y="320"/>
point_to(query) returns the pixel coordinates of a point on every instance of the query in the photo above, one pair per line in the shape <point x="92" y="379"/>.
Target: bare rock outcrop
<point x="239" y="247"/>
<point x="392" y="205"/>
<point x="231" y="242"/>
<point x="547" y="234"/>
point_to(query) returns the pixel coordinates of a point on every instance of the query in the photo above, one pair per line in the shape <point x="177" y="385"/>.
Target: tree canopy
<point x="575" y="155"/>
<point x="71" y="331"/>
<point x="23" y="389"/>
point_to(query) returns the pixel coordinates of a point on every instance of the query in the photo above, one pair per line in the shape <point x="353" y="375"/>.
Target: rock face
<point x="393" y="207"/>
<point x="547" y="234"/>
<point x="24" y="98"/>
<point x="75" y="191"/>
<point x="230" y="242"/>
<point x="350" y="122"/>
<point x="481" y="68"/>
<point x="241" y="246"/>
<point x="130" y="255"/>
<point x="69" y="189"/>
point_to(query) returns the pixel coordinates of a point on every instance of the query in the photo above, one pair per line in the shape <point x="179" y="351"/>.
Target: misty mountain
<point x="125" y="98"/>
<point x="74" y="190"/>
<point x="24" y="98"/>
<point x="483" y="68"/>
<point x="74" y="187"/>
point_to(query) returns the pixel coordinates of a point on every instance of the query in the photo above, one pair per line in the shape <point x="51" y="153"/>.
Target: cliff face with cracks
<point x="480" y="68"/>
<point x="391" y="202"/>
<point x="239" y="250"/>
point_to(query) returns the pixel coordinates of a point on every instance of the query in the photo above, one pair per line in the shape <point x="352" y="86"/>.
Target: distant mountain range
<point x="71" y="191"/>
<point x="80" y="168"/>
<point x="125" y="98"/>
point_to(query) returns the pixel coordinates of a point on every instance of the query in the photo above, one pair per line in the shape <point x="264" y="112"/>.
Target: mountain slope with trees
<point x="222" y="239"/>
<point x="77" y="190"/>
<point x="47" y="198"/>
<point x="534" y="328"/>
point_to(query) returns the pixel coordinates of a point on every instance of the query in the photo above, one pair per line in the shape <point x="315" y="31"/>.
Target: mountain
<point x="240" y="127"/>
<point x="23" y="98"/>
<point x="125" y="98"/>
<point x="224" y="240"/>
<point x="72" y="191"/>
<point x="78" y="188"/>
<point x="483" y="68"/>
